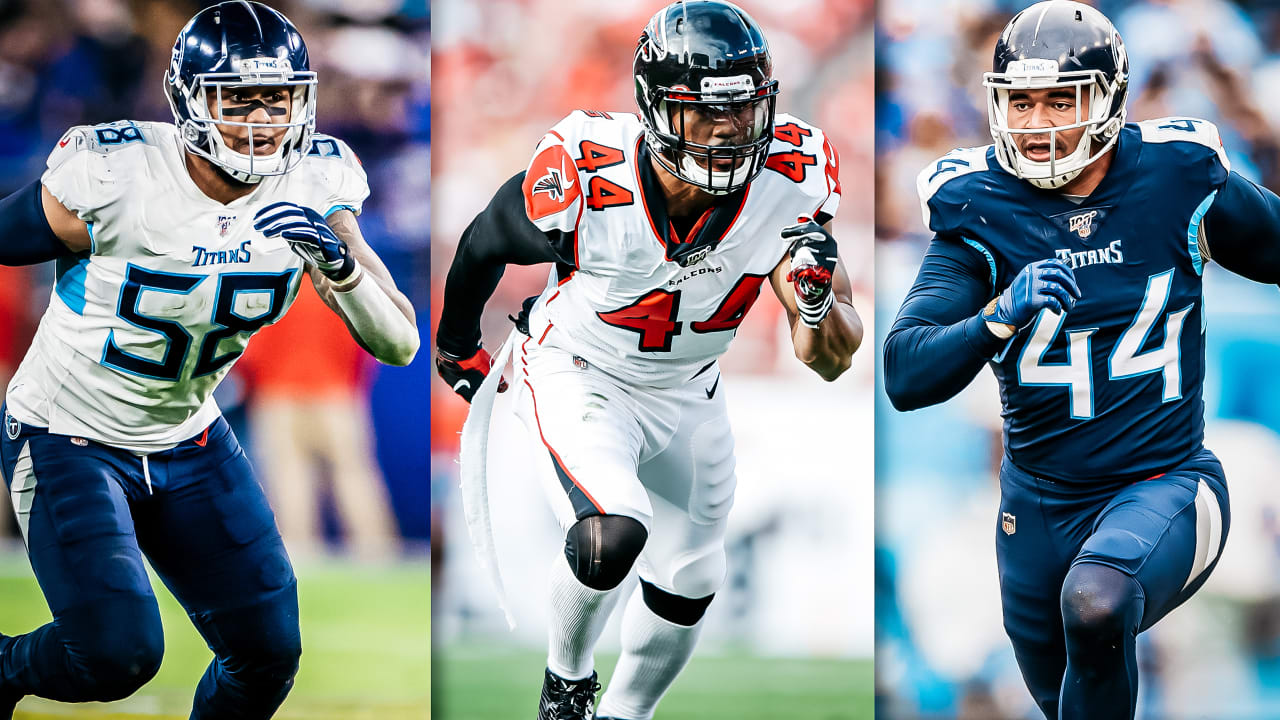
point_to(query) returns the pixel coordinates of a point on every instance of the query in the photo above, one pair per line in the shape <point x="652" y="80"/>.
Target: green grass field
<point x="487" y="684"/>
<point x="365" y="639"/>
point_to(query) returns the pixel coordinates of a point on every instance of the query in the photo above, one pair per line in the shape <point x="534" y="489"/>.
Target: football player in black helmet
<point x="706" y="95"/>
<point x="1068" y="256"/>
<point x="662" y="230"/>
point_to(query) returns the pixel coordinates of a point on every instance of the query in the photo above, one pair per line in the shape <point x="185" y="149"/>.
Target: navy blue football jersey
<point x="1113" y="388"/>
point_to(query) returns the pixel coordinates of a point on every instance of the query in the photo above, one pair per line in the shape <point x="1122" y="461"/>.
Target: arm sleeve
<point x="1241" y="230"/>
<point x="939" y="341"/>
<point x="500" y="235"/>
<point x="25" y="235"/>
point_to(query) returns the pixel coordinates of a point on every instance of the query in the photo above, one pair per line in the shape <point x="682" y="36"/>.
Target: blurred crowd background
<point x="941" y="650"/>
<point x="801" y="528"/>
<point x="337" y="439"/>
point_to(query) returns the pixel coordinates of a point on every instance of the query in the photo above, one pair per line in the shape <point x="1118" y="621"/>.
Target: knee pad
<point x="673" y="608"/>
<point x="115" y="652"/>
<point x="602" y="548"/>
<point x="697" y="573"/>
<point x="1099" y="603"/>
<point x="262" y="642"/>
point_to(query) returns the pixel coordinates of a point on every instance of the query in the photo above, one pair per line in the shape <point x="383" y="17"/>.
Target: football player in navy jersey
<point x="1068" y="257"/>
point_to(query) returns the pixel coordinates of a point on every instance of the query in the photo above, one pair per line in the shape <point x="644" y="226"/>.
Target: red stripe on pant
<point x="563" y="471"/>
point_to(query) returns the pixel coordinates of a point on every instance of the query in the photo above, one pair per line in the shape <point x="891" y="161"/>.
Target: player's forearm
<point x="382" y="326"/>
<point x="471" y="282"/>
<point x="1242" y="228"/>
<point x="500" y="235"/>
<point x="928" y="364"/>
<point x="828" y="349"/>
<point x="939" y="341"/>
<point x="26" y="236"/>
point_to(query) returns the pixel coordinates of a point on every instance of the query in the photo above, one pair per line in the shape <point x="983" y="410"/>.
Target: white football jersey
<point x="625" y="305"/>
<point x="142" y="328"/>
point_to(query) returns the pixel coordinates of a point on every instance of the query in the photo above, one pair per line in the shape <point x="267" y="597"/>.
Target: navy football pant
<point x="89" y="513"/>
<point x="1085" y="568"/>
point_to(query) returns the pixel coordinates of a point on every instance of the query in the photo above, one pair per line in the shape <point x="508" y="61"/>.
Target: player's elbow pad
<point x="25" y="235"/>
<point x="899" y="382"/>
<point x="925" y="365"/>
<point x="375" y="318"/>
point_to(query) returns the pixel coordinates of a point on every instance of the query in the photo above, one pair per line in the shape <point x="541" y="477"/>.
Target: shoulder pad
<point x="327" y="146"/>
<point x="591" y="124"/>
<point x="929" y="183"/>
<point x="803" y="154"/>
<point x="340" y="173"/>
<point x="552" y="188"/>
<point x="584" y="115"/>
<point x="100" y="139"/>
<point x="91" y="166"/>
<point x="1193" y="131"/>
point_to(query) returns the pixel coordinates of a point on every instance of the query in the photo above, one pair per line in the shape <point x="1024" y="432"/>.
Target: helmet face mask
<point x="200" y="82"/>
<point x="1062" y="46"/>
<point x="1093" y="98"/>
<point x="703" y="68"/>
<point x="685" y="125"/>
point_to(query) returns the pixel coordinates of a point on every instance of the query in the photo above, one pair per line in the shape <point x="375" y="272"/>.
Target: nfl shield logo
<point x="580" y="362"/>
<point x="224" y="224"/>
<point x="1008" y="523"/>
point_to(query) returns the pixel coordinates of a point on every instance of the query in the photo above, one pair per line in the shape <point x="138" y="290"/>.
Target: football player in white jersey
<point x="662" y="228"/>
<point x="174" y="245"/>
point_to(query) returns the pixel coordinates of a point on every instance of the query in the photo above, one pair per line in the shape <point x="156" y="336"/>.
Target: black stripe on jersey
<point x="704" y="232"/>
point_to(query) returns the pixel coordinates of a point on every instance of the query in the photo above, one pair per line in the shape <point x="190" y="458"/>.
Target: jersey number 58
<point x="177" y="338"/>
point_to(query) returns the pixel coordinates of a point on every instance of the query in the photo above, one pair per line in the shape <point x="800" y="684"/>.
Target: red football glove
<point x="813" y="263"/>
<point x="464" y="375"/>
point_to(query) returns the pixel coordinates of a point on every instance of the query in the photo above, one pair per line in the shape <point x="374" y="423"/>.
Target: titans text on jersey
<point x="152" y="318"/>
<point x="1112" y="389"/>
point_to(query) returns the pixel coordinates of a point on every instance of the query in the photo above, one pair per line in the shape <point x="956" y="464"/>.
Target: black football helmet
<point x="1059" y="44"/>
<point x="234" y="44"/>
<point x="711" y="55"/>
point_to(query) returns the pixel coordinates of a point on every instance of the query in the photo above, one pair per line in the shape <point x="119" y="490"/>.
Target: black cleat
<point x="567" y="699"/>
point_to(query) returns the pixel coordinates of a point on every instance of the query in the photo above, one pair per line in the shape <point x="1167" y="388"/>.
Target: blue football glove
<point x="1044" y="284"/>
<point x="309" y="236"/>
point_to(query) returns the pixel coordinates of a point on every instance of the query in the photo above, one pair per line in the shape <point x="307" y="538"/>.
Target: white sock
<point x="654" y="651"/>
<point x="578" y="616"/>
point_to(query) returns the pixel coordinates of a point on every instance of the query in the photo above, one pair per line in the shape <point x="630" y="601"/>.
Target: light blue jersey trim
<point x="70" y="286"/>
<point x="93" y="241"/>
<point x="336" y="208"/>
<point x="1193" y="232"/>
<point x="991" y="262"/>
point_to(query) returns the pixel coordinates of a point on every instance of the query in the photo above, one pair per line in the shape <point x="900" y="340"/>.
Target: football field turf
<point x="365" y="646"/>
<point x="473" y="684"/>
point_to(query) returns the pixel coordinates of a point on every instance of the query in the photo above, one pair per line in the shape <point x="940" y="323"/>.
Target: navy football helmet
<point x="1059" y="44"/>
<point x="237" y="44"/>
<point x="711" y="54"/>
